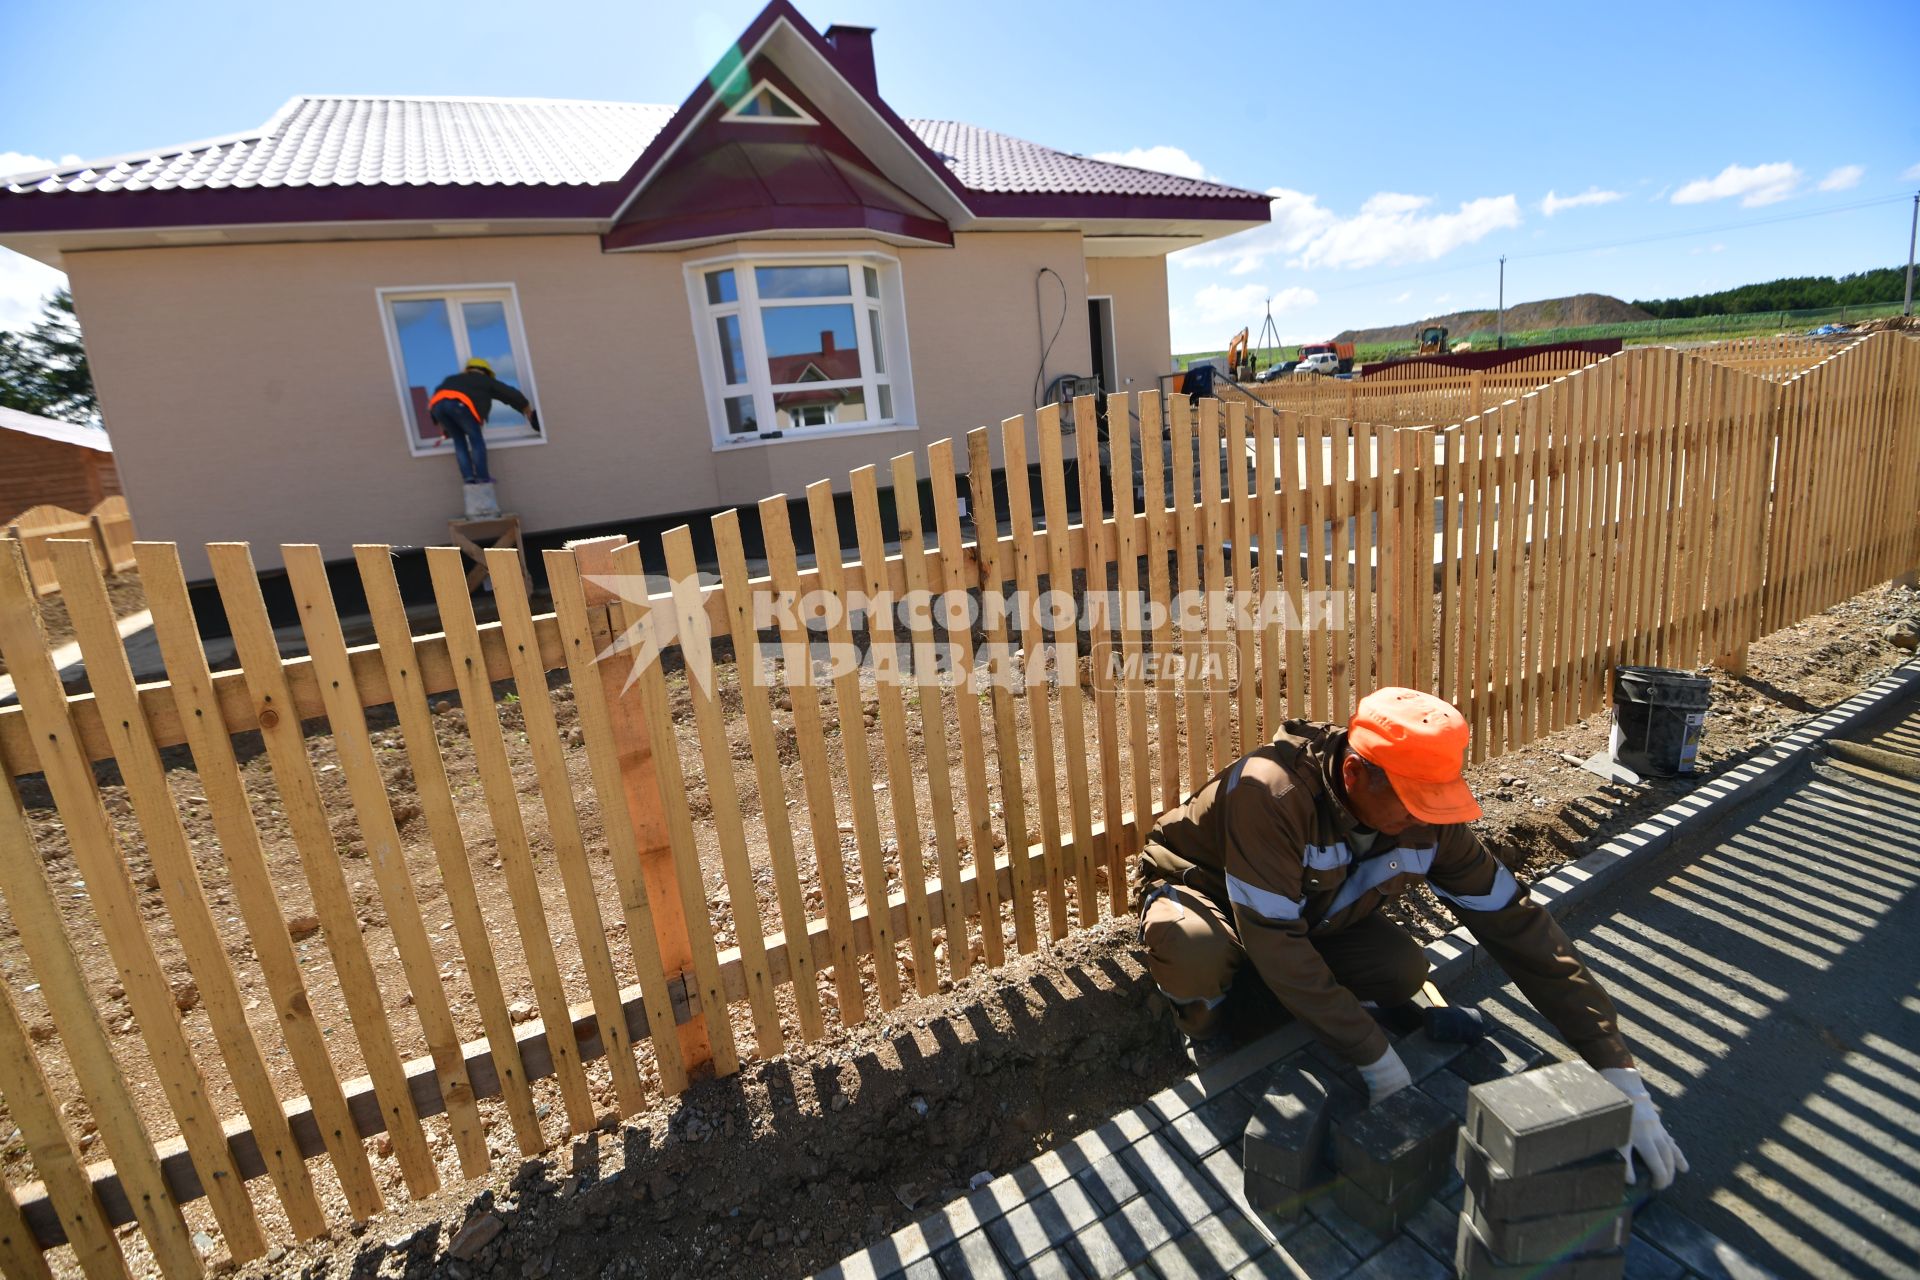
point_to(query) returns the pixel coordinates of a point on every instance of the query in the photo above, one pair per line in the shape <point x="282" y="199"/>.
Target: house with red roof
<point x="776" y="281"/>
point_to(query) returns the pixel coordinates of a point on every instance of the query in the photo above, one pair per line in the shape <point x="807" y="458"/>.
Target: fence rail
<point x="693" y="833"/>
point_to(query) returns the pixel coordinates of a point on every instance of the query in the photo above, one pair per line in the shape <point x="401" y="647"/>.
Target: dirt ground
<point x="124" y="592"/>
<point x="796" y="1161"/>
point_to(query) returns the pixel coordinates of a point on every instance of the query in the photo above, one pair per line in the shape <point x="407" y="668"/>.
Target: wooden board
<point x="1064" y="661"/>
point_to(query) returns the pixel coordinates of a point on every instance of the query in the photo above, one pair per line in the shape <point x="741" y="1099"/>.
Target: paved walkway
<point x="1765" y="969"/>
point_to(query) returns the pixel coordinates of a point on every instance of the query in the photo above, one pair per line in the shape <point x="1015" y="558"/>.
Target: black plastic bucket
<point x="1658" y="717"/>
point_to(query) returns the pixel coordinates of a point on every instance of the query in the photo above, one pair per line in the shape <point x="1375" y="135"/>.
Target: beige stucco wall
<point x="253" y="397"/>
<point x="1143" y="333"/>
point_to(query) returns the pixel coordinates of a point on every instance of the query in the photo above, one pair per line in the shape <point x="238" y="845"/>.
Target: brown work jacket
<point x="1268" y="839"/>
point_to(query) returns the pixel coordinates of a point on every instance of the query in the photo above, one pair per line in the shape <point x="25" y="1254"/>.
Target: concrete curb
<point x="1457" y="954"/>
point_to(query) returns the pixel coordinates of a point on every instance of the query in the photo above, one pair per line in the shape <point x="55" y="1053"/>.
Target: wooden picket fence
<point x="701" y="859"/>
<point x="1417" y="394"/>
<point x="109" y="525"/>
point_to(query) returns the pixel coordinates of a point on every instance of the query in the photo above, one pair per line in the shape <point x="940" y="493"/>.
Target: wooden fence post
<point x="595" y="558"/>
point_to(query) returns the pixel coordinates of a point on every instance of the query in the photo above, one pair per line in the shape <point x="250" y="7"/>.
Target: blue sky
<point x="1633" y="149"/>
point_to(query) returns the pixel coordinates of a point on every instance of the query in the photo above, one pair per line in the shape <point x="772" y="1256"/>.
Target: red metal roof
<point x="331" y="141"/>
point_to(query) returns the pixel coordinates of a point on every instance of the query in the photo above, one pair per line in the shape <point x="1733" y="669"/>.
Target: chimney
<point x="826" y="342"/>
<point x="853" y="54"/>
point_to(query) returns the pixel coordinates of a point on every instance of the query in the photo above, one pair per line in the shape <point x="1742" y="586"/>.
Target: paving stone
<point x="1055" y="1264"/>
<point x="1544" y="1239"/>
<point x="1395" y="1144"/>
<point x="1447" y="1089"/>
<point x="1644" y="1262"/>
<point x="1361" y="1239"/>
<point x="1109" y="1182"/>
<point x="1472" y="1260"/>
<point x="1423" y="1055"/>
<point x="925" y="1269"/>
<point x="1286" y="1137"/>
<point x="1401" y="1260"/>
<point x="1124" y="1239"/>
<point x="1436" y="1226"/>
<point x="1312" y="1250"/>
<point x="1593" y="1183"/>
<point x="1029" y="1230"/>
<point x="1499" y="1055"/>
<point x="1223" y="1168"/>
<point x="1161" y="1168"/>
<point x="1214" y="1123"/>
<point x="971" y="1257"/>
<point x="1703" y="1252"/>
<point x="1546" y="1118"/>
<point x="1212" y="1249"/>
<point x="1386" y="1218"/>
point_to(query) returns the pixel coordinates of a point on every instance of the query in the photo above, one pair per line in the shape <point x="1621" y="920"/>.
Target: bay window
<point x="795" y="347"/>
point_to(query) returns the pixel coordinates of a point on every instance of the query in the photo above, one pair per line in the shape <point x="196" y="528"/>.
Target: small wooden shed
<point x="45" y="462"/>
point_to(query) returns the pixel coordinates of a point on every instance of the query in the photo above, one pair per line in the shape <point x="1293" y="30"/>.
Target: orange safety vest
<point x="462" y="397"/>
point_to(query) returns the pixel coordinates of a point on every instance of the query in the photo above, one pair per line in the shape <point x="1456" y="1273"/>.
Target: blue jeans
<point x="469" y="444"/>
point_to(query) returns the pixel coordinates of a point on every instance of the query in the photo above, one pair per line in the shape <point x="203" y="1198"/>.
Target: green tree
<point x="43" y="370"/>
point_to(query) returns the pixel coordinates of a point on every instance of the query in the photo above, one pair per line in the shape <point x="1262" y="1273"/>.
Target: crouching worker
<point x="1284" y="859"/>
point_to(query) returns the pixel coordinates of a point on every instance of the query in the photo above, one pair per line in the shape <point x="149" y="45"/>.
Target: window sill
<point x="444" y="448"/>
<point x="801" y="435"/>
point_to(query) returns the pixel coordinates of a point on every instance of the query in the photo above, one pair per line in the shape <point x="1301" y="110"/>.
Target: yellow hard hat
<point x="478" y="363"/>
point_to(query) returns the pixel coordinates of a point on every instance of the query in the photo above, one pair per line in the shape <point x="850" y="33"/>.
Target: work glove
<point x="1385" y="1077"/>
<point x="1650" y="1139"/>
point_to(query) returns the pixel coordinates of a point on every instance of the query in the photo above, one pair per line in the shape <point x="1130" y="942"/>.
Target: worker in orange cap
<point x="1284" y="858"/>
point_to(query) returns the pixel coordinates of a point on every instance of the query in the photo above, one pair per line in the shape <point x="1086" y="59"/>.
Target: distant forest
<point x="1796" y="293"/>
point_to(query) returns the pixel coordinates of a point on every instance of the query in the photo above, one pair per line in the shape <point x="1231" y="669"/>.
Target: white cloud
<point x="25" y="283"/>
<point x="1406" y="295"/>
<point x="1219" y="305"/>
<point x="1910" y="174"/>
<point x="1160" y="159"/>
<point x="1390" y="228"/>
<point x="1592" y="195"/>
<point x="1761" y="184"/>
<point x="1845" y="178"/>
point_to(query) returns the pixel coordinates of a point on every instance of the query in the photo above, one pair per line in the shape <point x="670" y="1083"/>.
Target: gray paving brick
<point x="1312" y="1250"/>
<point x="1055" y="1264"/>
<point x="1403" y="1141"/>
<point x="1212" y="1249"/>
<point x="1447" y="1089"/>
<point x="1401" y="1260"/>
<point x="1161" y="1168"/>
<point x="1110" y="1182"/>
<point x="1544" y="1239"/>
<point x="1386" y="1218"/>
<point x="1644" y="1262"/>
<point x="1436" y="1226"/>
<point x="1499" y="1055"/>
<point x="1124" y="1239"/>
<point x="1703" y="1252"/>
<point x="1286" y="1137"/>
<point x="1223" y="1169"/>
<point x="1361" y="1239"/>
<point x="1423" y="1055"/>
<point x="1593" y="1183"/>
<point x="1048" y="1219"/>
<point x="925" y="1269"/>
<point x="971" y="1257"/>
<point x="1547" y="1118"/>
<point x="1472" y="1260"/>
<point x="1214" y="1123"/>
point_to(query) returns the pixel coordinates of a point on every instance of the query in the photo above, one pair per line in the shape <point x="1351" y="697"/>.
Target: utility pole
<point x="1500" y="340"/>
<point x="1912" y="234"/>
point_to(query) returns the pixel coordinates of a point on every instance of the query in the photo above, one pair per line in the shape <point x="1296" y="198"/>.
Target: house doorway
<point x="1100" y="337"/>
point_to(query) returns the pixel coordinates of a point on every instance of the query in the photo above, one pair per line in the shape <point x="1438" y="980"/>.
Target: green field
<point x="1638" y="333"/>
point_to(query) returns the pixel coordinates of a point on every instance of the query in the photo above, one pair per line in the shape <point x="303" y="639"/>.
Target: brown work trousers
<point x="1194" y="951"/>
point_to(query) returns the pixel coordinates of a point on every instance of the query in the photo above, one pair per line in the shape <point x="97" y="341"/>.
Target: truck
<point x="1342" y="352"/>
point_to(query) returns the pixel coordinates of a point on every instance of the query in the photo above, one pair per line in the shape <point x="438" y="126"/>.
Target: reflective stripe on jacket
<point x="1271" y="841"/>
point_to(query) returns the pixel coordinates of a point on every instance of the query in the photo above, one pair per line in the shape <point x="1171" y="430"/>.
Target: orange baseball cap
<point x="1420" y="742"/>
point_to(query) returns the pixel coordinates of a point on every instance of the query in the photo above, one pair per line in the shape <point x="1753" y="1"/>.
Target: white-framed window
<point x="796" y="346"/>
<point x="433" y="330"/>
<point x="766" y="104"/>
